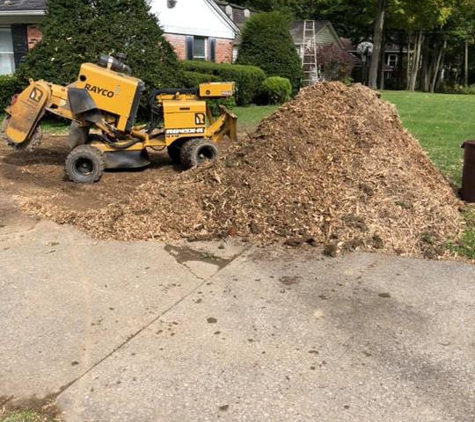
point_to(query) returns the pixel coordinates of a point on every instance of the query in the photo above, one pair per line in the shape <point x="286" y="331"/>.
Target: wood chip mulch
<point x="334" y="167"/>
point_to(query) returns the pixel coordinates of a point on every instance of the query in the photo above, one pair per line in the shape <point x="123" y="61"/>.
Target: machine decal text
<point x="100" y="91"/>
<point x="36" y="95"/>
<point x="200" y="119"/>
<point x="187" y="131"/>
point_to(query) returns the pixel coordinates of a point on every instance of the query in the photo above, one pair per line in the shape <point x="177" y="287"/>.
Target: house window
<point x="392" y="60"/>
<point x="200" y="48"/>
<point x="7" y="60"/>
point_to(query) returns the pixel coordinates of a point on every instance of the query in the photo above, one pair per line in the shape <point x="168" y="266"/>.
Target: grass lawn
<point x="26" y="416"/>
<point x="440" y="122"/>
<point x="249" y="117"/>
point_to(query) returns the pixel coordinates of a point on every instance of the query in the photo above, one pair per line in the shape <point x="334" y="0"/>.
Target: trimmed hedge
<point x="276" y="90"/>
<point x="248" y="78"/>
<point x="9" y="86"/>
<point x="193" y="79"/>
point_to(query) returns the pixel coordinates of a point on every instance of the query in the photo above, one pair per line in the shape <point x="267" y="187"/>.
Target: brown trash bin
<point x="468" y="178"/>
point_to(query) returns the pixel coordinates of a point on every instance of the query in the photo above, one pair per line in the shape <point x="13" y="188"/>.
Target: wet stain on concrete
<point x="184" y="254"/>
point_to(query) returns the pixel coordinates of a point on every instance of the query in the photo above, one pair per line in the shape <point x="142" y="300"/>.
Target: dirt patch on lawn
<point x="39" y="176"/>
<point x="334" y="167"/>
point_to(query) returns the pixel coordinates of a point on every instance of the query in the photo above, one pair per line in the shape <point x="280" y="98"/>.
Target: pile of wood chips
<point x="334" y="167"/>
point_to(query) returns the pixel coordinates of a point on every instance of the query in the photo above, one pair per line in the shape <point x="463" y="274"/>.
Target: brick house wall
<point x="223" y="48"/>
<point x="34" y="35"/>
<point x="178" y="43"/>
<point x="224" y="51"/>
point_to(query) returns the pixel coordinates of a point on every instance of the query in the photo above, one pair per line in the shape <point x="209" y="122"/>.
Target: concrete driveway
<point x="225" y="331"/>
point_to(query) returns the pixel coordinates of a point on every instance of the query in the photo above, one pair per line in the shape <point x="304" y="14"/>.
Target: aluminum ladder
<point x="309" y="53"/>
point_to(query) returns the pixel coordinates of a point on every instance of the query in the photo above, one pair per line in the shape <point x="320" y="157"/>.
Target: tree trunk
<point x="382" y="63"/>
<point x="416" y="61"/>
<point x="465" y="68"/>
<point x="377" y="41"/>
<point x="425" y="68"/>
<point x="409" y="63"/>
<point x="400" y="64"/>
<point x="438" y="64"/>
<point x="442" y="71"/>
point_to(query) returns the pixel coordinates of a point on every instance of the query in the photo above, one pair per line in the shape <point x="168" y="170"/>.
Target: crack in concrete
<point x="129" y="338"/>
<point x="194" y="274"/>
<point x="141" y="330"/>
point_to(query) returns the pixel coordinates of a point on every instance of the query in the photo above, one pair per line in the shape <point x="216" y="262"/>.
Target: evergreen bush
<point x="248" y="78"/>
<point x="267" y="43"/>
<point x="78" y="31"/>
<point x="276" y="90"/>
<point x="9" y="86"/>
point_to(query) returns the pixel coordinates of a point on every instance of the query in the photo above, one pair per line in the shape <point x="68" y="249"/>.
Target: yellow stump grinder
<point x="102" y="106"/>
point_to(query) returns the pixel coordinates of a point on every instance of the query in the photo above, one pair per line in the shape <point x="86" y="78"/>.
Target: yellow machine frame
<point x="105" y="99"/>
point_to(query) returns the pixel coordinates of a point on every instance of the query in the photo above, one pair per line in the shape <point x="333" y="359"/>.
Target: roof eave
<point x="22" y="12"/>
<point x="225" y="17"/>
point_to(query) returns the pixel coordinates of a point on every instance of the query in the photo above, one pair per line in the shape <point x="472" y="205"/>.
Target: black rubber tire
<point x="85" y="164"/>
<point x="174" y="151"/>
<point x="195" y="151"/>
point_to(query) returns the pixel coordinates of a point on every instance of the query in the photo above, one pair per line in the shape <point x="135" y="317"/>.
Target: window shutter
<point x="212" y="49"/>
<point x="189" y="48"/>
<point x="20" y="43"/>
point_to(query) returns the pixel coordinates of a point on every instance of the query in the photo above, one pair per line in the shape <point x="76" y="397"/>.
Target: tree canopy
<point x="439" y="34"/>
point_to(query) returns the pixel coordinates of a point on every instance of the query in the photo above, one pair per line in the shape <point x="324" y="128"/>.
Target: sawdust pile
<point x="332" y="167"/>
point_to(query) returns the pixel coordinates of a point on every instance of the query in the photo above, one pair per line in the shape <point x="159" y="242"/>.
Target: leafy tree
<point x="336" y="64"/>
<point x="267" y="43"/>
<point x="75" y="31"/>
<point x="378" y="43"/>
<point x="423" y="20"/>
<point x="462" y="23"/>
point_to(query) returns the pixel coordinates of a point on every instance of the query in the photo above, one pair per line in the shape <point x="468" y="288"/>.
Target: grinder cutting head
<point x="20" y="128"/>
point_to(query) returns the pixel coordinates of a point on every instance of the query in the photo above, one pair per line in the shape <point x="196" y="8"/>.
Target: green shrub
<point x="229" y="103"/>
<point x="9" y="86"/>
<point x="276" y="90"/>
<point x="193" y="79"/>
<point x="464" y="90"/>
<point x="267" y="43"/>
<point x="450" y="88"/>
<point x="248" y="78"/>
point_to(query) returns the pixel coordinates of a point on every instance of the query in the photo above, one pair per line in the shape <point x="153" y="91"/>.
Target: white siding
<point x="191" y="17"/>
<point x="325" y="36"/>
